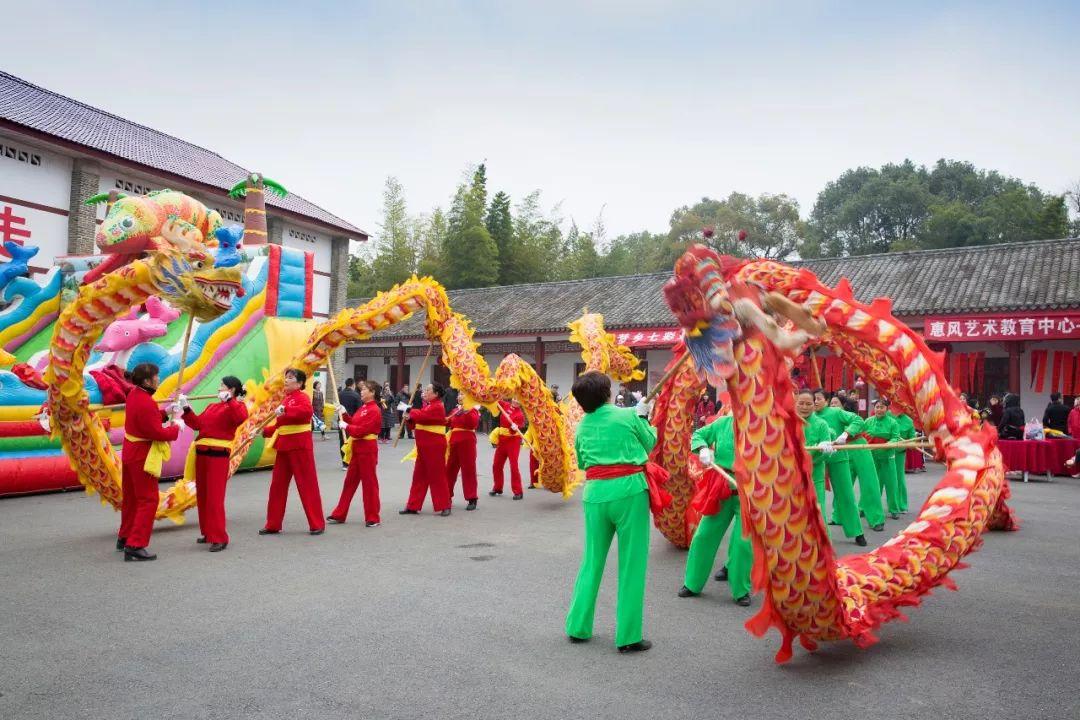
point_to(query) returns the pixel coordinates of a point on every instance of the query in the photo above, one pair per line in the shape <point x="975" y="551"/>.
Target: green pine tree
<point x="500" y="225"/>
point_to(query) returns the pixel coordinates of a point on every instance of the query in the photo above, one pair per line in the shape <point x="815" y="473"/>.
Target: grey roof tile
<point x="44" y="111"/>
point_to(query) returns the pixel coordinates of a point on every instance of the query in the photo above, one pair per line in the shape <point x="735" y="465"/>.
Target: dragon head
<point x="190" y="282"/>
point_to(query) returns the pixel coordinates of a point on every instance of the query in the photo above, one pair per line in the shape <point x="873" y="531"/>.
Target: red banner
<point x="1017" y="326"/>
<point x="648" y="337"/>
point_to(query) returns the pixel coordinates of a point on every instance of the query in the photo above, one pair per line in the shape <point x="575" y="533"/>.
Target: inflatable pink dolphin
<point x="129" y="331"/>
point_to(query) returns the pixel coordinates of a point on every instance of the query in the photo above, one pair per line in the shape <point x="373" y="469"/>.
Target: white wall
<point x="49" y="184"/>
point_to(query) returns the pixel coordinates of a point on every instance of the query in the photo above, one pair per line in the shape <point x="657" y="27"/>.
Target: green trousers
<point x="844" y="510"/>
<point x="629" y="519"/>
<point x="901" y="480"/>
<point x="886" y="472"/>
<point x="864" y="469"/>
<point x="740" y="556"/>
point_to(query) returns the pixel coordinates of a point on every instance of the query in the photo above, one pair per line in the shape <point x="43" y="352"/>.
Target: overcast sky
<point x="633" y="107"/>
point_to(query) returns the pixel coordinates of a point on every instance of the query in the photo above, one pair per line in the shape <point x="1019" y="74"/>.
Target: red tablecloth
<point x="1038" y="456"/>
<point x="913" y="460"/>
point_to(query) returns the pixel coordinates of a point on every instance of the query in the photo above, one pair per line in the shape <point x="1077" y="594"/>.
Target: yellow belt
<point x="348" y="446"/>
<point x="160" y="451"/>
<point x="189" y="462"/>
<point x="440" y="429"/>
<point x="289" y="430"/>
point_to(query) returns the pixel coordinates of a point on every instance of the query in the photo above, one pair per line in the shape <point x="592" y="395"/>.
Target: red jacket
<point x="1074" y="423"/>
<point x="365" y="421"/>
<point x="298" y="411"/>
<point x="143" y="419"/>
<point x="431" y="414"/>
<point x="508" y="413"/>
<point x="219" y="420"/>
<point x="464" y="420"/>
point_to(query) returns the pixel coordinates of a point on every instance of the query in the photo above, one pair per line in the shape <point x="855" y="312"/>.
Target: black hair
<point x="234" y="384"/>
<point x="143" y="372"/>
<point x="1012" y="400"/>
<point x="881" y="401"/>
<point x="591" y="390"/>
<point x="1055" y="397"/>
<point x="804" y="391"/>
<point x="300" y="375"/>
<point x="821" y="392"/>
<point x="374" y="387"/>
<point x="349" y="382"/>
<point x="316" y="384"/>
<point x="438" y="389"/>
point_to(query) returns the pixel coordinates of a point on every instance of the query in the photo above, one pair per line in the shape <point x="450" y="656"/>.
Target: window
<point x="131" y="187"/>
<point x="229" y="214"/>
<point x="306" y="237"/>
<point x="359" y="373"/>
<point x="19" y="154"/>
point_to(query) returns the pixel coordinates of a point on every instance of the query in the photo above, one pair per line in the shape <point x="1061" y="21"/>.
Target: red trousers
<point x="211" y="476"/>
<point x="361" y="473"/>
<point x="429" y="472"/>
<point x="534" y="470"/>
<point x="138" y="506"/>
<point x="462" y="457"/>
<point x="508" y="448"/>
<point x="301" y="465"/>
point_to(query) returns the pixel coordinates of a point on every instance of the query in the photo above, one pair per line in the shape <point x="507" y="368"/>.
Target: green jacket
<point x="815" y="432"/>
<point x="613" y="436"/>
<point x="885" y="428"/>
<point x="905" y="425"/>
<point x="840" y="421"/>
<point x="719" y="435"/>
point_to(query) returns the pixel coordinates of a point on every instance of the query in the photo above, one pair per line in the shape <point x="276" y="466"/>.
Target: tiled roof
<point x="1041" y="275"/>
<point x="30" y="106"/>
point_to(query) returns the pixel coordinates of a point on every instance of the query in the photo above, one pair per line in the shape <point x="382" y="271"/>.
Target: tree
<point x="500" y="225"/>
<point x="1053" y="219"/>
<point x="633" y="254"/>
<point x="771" y="224"/>
<point x="433" y="233"/>
<point x="471" y="259"/>
<point x="395" y="257"/>
<point x="581" y="259"/>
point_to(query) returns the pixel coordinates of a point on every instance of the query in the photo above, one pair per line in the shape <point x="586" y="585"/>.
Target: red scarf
<point x="655" y="477"/>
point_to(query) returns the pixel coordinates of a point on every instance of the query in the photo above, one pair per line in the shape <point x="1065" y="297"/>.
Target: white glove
<point x="279" y="410"/>
<point x="178" y="422"/>
<point x="176" y="409"/>
<point x="841" y="439"/>
<point x="181" y="399"/>
<point x="637" y="395"/>
<point x="705" y="454"/>
<point x="827" y="448"/>
<point x="224" y="395"/>
<point x="340" y="409"/>
<point x="643" y="408"/>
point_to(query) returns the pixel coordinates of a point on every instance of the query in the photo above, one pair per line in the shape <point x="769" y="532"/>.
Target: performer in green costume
<point x="715" y="444"/>
<point x="882" y="429"/>
<point x="906" y="427"/>
<point x="817" y="433"/>
<point x="609" y="442"/>
<point x="846" y="426"/>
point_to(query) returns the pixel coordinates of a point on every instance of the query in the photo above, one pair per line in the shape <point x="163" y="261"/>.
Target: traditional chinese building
<point x="1008" y="316"/>
<point x="56" y="152"/>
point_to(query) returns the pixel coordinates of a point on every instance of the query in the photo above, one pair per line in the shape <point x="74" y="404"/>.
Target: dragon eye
<point x="198" y="264"/>
<point x="127" y="223"/>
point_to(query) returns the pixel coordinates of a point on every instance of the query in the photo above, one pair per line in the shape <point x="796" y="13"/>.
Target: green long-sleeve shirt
<point x="815" y="432"/>
<point x="613" y="436"/>
<point x="905" y="425"/>
<point x="719" y="435"/>
<point x="840" y="421"/>
<point x="882" y="427"/>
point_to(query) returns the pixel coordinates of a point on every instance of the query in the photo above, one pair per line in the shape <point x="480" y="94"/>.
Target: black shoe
<point x="493" y="493"/>
<point x="577" y="640"/>
<point x="744" y="601"/>
<point x="371" y="524"/>
<point x="640" y="646"/>
<point x="445" y="513"/>
<point x="265" y="531"/>
<point x="345" y="466"/>
<point x="833" y="522"/>
<point x="861" y="541"/>
<point x="519" y="496"/>
<point x="471" y="505"/>
<point x="315" y="532"/>
<point x="407" y="511"/>
<point x="121" y="543"/>
<point x="721" y="575"/>
<point x="334" y="520"/>
<point x="686" y="592"/>
<point x="201" y="540"/>
<point x="218" y="547"/>
<point x="878" y="528"/>
<point x="894" y="516"/>
<point x="140" y="554"/>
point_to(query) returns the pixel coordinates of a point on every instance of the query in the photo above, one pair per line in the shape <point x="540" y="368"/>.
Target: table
<point x="1042" y="457"/>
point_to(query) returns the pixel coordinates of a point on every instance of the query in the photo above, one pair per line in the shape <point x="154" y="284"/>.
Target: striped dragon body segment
<point x="187" y="280"/>
<point x="809" y="593"/>
<point x="470" y="373"/>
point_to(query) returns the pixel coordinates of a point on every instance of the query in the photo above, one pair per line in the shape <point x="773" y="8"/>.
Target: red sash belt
<point x="655" y="478"/>
<point x="712" y="489"/>
<point x="871" y="440"/>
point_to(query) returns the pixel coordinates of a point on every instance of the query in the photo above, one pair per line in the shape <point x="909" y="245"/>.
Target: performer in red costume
<point x="534" y="471"/>
<point x="462" y="452"/>
<point x="209" y="456"/>
<point x="146" y="447"/>
<point x="508" y="447"/>
<point x="290" y="436"/>
<point x="429" y="426"/>
<point x="362" y="453"/>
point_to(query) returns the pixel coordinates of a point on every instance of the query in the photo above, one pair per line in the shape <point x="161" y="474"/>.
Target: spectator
<point x="386" y="407"/>
<point x="992" y="412"/>
<point x="704" y="410"/>
<point x="1011" y="426"/>
<point x="619" y="401"/>
<point x="1056" y="416"/>
<point x="350" y="400"/>
<point x="1074" y="419"/>
<point x="555" y="393"/>
<point x="318" y="402"/>
<point x="403" y="398"/>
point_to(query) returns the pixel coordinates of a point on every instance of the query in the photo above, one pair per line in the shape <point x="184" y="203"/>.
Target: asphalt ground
<point x="462" y="617"/>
